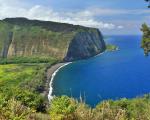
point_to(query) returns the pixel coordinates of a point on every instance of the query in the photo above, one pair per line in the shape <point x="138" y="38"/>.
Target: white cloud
<point x="110" y="12"/>
<point x="14" y="8"/>
<point x="120" y="27"/>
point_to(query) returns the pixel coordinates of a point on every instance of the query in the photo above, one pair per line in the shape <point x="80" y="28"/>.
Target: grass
<point x="20" y="76"/>
<point x="14" y="74"/>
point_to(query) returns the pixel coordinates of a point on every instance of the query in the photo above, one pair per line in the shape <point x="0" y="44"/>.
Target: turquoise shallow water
<point x="112" y="75"/>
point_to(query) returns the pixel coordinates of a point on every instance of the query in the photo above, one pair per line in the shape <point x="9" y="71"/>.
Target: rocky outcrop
<point x="85" y="44"/>
<point x="23" y="37"/>
<point x="7" y="43"/>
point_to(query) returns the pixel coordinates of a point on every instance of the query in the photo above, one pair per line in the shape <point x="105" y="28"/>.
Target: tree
<point x="146" y="30"/>
<point x="149" y="3"/>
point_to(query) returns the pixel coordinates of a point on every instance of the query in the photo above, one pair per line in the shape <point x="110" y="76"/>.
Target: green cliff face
<point x="20" y="37"/>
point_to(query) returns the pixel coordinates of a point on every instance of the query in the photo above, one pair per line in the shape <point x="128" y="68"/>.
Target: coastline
<point x="100" y="53"/>
<point x="50" y="74"/>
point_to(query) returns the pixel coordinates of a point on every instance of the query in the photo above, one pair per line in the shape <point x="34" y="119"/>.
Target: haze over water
<point x="112" y="75"/>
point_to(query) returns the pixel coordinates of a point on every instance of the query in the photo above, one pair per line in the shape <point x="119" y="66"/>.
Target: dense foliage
<point x="146" y="39"/>
<point x="49" y="25"/>
<point x="21" y="86"/>
<point x="31" y="59"/>
<point x="64" y="108"/>
<point x="16" y="81"/>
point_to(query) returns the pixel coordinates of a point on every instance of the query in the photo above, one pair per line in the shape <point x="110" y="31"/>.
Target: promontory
<point x="23" y="37"/>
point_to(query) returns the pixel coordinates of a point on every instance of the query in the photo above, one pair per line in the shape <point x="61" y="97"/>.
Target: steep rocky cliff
<point x="85" y="44"/>
<point x="23" y="37"/>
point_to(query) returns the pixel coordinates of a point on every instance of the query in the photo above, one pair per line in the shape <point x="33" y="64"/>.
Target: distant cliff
<point x="23" y="37"/>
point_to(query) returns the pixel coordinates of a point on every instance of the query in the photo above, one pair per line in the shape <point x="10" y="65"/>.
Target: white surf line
<point x="100" y="53"/>
<point x="50" y="97"/>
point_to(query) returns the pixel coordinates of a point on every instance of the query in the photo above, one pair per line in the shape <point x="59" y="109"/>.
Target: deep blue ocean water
<point x="112" y="75"/>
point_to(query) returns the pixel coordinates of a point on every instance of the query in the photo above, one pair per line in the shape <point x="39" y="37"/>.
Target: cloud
<point x="15" y="8"/>
<point x="110" y="12"/>
<point x="120" y="27"/>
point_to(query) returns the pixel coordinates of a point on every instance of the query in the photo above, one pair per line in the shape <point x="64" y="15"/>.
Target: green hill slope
<point x="20" y="37"/>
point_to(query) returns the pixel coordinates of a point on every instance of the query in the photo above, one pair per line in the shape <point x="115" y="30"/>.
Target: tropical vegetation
<point x="22" y="98"/>
<point x="145" y="44"/>
<point x="110" y="47"/>
<point x="22" y="87"/>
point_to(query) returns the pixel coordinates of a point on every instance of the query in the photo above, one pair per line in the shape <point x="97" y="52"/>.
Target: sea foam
<point x="50" y="97"/>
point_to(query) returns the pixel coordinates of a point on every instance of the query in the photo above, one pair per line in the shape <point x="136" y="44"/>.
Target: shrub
<point x="30" y="99"/>
<point x="62" y="108"/>
<point x="14" y="110"/>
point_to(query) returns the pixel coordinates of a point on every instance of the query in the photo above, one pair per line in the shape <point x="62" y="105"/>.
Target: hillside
<point x="21" y="37"/>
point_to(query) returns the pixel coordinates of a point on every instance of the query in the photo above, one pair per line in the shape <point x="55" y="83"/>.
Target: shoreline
<point x="50" y="74"/>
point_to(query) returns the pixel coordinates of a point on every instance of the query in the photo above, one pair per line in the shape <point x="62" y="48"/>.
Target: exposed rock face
<point x="85" y="44"/>
<point x="23" y="37"/>
<point x="7" y="43"/>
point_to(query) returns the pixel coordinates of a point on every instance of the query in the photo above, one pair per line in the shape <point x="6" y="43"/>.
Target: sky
<point x="112" y="17"/>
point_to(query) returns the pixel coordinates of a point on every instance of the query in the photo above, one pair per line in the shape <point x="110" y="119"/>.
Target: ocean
<point x="112" y="75"/>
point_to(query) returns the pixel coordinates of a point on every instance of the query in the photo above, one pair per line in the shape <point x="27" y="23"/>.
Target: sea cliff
<point x="22" y="37"/>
